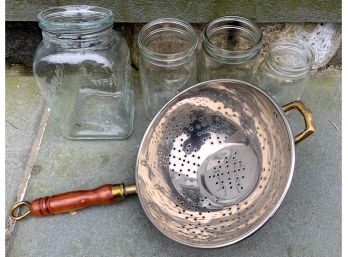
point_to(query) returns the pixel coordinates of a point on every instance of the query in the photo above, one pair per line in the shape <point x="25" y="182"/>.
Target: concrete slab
<point x="23" y="110"/>
<point x="308" y="222"/>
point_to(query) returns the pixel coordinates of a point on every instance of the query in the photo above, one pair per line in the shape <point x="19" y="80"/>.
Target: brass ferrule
<point x="120" y="191"/>
<point x="130" y="189"/>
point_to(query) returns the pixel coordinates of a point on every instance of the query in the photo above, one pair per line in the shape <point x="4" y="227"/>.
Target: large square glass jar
<point x="82" y="67"/>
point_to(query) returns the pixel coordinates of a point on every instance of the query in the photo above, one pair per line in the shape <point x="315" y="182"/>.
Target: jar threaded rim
<point x="75" y="19"/>
<point x="176" y="25"/>
<point x="235" y="24"/>
<point x="298" y="59"/>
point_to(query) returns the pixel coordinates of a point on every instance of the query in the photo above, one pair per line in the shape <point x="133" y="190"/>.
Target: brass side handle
<point x="307" y="116"/>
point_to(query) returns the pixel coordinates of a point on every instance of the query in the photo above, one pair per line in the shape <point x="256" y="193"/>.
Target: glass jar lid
<point x="75" y="19"/>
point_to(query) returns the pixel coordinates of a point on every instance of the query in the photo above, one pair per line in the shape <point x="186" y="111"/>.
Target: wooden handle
<point x="71" y="201"/>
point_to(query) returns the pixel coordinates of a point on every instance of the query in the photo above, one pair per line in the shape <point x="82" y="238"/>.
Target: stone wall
<point x="22" y="38"/>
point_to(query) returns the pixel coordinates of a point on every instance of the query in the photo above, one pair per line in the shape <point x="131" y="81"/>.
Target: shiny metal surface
<point x="215" y="163"/>
<point x="307" y="117"/>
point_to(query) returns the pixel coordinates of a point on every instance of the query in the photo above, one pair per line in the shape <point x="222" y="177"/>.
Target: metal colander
<point x="215" y="164"/>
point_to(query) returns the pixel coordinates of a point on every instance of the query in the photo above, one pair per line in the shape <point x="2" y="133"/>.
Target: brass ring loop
<point x="17" y="207"/>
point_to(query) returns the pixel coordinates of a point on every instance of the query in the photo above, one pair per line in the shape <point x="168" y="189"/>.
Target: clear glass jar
<point x="168" y="61"/>
<point x="230" y="49"/>
<point x="82" y="66"/>
<point x="285" y="69"/>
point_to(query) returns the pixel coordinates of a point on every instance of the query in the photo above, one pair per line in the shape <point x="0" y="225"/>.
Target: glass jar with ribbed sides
<point x="82" y="67"/>
<point x="230" y="49"/>
<point x="285" y="69"/>
<point x="167" y="62"/>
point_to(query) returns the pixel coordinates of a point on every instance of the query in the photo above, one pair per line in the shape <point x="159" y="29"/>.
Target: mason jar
<point x="231" y="45"/>
<point x="168" y="61"/>
<point x="82" y="67"/>
<point x="284" y="71"/>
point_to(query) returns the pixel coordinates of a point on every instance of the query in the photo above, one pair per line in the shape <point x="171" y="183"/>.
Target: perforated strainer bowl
<point x="216" y="163"/>
<point x="213" y="166"/>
